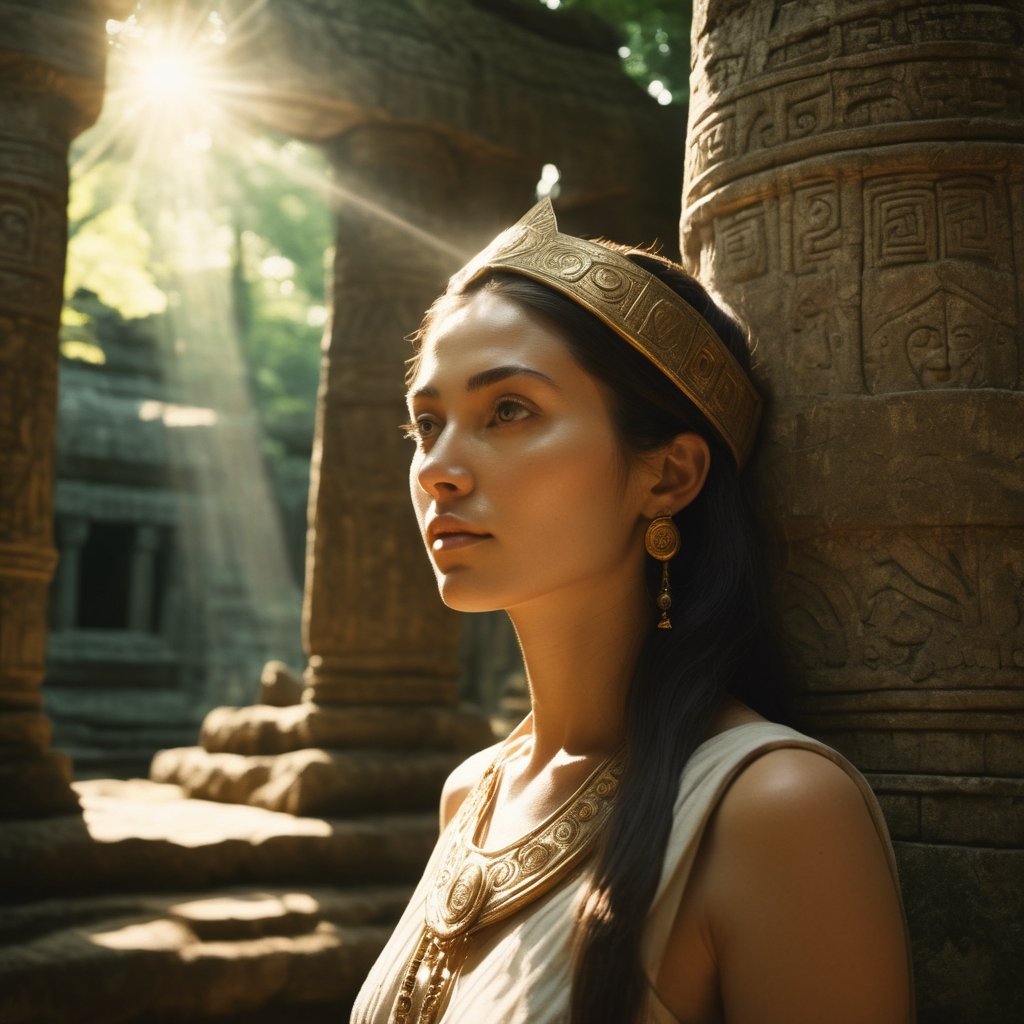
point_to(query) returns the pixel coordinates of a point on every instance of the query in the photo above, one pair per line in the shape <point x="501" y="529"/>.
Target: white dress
<point x="518" y="970"/>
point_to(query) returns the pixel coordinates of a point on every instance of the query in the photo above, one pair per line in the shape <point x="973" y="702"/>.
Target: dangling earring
<point x="662" y="542"/>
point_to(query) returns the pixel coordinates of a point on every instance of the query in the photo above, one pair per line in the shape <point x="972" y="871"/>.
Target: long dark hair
<point x="720" y="643"/>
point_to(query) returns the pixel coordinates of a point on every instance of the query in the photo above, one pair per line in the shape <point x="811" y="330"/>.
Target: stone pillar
<point x="143" y="577"/>
<point x="855" y="189"/>
<point x="374" y="629"/>
<point x="72" y="534"/>
<point x="51" y="77"/>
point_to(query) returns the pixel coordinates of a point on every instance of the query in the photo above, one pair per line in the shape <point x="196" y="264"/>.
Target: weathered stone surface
<point x="965" y="907"/>
<point x="853" y="182"/>
<point x="189" y="956"/>
<point x="435" y="169"/>
<point x="51" y="81"/>
<point x="311" y="781"/>
<point x="500" y="84"/>
<point x="140" y="835"/>
<point x="278" y="686"/>
<point x="260" y="729"/>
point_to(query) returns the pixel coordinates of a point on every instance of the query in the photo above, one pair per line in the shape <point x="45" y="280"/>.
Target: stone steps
<point x="138" y="835"/>
<point x="153" y="907"/>
<point x="190" y="956"/>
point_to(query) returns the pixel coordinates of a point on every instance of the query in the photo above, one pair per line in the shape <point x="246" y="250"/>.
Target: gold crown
<point x="639" y="308"/>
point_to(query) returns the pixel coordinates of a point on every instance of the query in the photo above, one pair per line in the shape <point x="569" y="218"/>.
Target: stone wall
<point x="855" y="188"/>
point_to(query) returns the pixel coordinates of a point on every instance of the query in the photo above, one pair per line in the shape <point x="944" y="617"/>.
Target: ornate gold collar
<point x="475" y="888"/>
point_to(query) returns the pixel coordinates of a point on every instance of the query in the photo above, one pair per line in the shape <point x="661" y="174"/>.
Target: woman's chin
<point x="462" y="599"/>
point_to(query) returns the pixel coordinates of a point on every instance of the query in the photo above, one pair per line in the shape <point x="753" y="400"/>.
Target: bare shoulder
<point x="793" y="782"/>
<point x="794" y="811"/>
<point x="458" y="785"/>
<point x="802" y="906"/>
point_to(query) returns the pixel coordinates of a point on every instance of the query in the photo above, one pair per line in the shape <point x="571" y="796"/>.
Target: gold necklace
<point x="475" y="888"/>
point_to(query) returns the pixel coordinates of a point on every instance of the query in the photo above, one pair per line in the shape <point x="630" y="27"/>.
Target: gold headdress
<point x="636" y="306"/>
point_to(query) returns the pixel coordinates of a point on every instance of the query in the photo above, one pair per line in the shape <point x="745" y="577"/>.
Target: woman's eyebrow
<point x="485" y="378"/>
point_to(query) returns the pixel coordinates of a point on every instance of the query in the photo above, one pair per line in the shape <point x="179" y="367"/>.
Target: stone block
<point x="141" y="836"/>
<point x="1004" y="754"/>
<point x="144" y="957"/>
<point x="311" y="781"/>
<point x="262" y="729"/>
<point x="902" y="815"/>
<point x="996" y="821"/>
<point x="36" y="786"/>
<point x="279" y="686"/>
<point x="965" y="908"/>
<point x="909" y="750"/>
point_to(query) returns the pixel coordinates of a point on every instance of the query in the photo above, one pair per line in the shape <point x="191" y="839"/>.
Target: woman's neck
<point x="580" y="657"/>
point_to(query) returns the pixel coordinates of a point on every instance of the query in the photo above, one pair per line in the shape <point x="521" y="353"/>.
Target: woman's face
<point x="519" y="482"/>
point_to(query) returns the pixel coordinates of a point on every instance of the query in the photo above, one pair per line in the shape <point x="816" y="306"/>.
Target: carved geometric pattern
<point x="901" y="224"/>
<point x="817" y="223"/>
<point x="967" y="219"/>
<point x="741" y="244"/>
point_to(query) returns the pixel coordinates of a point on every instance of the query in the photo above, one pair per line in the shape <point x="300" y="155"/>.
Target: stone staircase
<point x="153" y="906"/>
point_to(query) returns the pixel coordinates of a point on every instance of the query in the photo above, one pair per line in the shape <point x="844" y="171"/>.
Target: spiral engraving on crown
<point x="565" y="262"/>
<point x="612" y="284"/>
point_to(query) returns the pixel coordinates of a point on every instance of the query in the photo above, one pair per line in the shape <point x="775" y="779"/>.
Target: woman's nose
<point x="443" y="470"/>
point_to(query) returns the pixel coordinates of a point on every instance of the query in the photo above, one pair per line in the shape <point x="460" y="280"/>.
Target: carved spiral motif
<point x="503" y="873"/>
<point x="585" y="811"/>
<point x="612" y="284"/>
<point x="606" y="788"/>
<point x="565" y="832"/>
<point x="662" y="539"/>
<point x="464" y="894"/>
<point x="565" y="262"/>
<point x="534" y="857"/>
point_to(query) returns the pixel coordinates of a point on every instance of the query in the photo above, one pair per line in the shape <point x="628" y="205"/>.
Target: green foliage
<point x="656" y="35"/>
<point x="109" y="249"/>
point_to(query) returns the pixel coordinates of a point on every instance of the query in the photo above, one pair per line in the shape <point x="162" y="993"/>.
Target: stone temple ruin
<point x="853" y="183"/>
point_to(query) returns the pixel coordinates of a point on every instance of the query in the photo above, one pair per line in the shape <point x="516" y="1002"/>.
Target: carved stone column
<point x="855" y="188"/>
<point x="51" y="78"/>
<point x="72" y="534"/>
<point x="370" y="634"/>
<point x="143" y="577"/>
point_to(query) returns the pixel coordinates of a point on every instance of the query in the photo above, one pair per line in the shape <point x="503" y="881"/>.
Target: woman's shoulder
<point x="793" y="892"/>
<point x="463" y="780"/>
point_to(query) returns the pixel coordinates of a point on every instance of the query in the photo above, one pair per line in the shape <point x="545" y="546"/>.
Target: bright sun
<point x="171" y="76"/>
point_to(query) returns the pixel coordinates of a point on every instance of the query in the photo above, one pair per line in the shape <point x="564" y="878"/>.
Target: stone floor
<point x="153" y="907"/>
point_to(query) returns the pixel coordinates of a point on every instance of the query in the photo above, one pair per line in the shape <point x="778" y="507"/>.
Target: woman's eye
<point x="421" y="429"/>
<point x="508" y="410"/>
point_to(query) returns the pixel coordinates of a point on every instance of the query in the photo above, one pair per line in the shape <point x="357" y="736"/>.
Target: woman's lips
<point x="452" y="541"/>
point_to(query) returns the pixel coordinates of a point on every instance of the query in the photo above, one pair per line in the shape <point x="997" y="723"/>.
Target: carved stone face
<point x="948" y="349"/>
<point x="950" y="338"/>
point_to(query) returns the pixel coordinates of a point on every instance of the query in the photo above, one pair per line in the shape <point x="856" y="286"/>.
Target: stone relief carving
<point x="741" y="244"/>
<point x="925" y="607"/>
<point x="950" y="337"/>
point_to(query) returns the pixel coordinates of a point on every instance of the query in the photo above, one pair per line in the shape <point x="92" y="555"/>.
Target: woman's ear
<point x="680" y="469"/>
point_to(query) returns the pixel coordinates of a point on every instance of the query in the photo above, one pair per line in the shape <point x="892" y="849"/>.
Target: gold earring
<point x="662" y="543"/>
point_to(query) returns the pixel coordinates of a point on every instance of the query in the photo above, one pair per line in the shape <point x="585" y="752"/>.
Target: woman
<point x="646" y="846"/>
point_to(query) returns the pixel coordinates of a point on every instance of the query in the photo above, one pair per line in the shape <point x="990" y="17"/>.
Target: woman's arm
<point x="791" y="915"/>
<point x="804" y="918"/>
